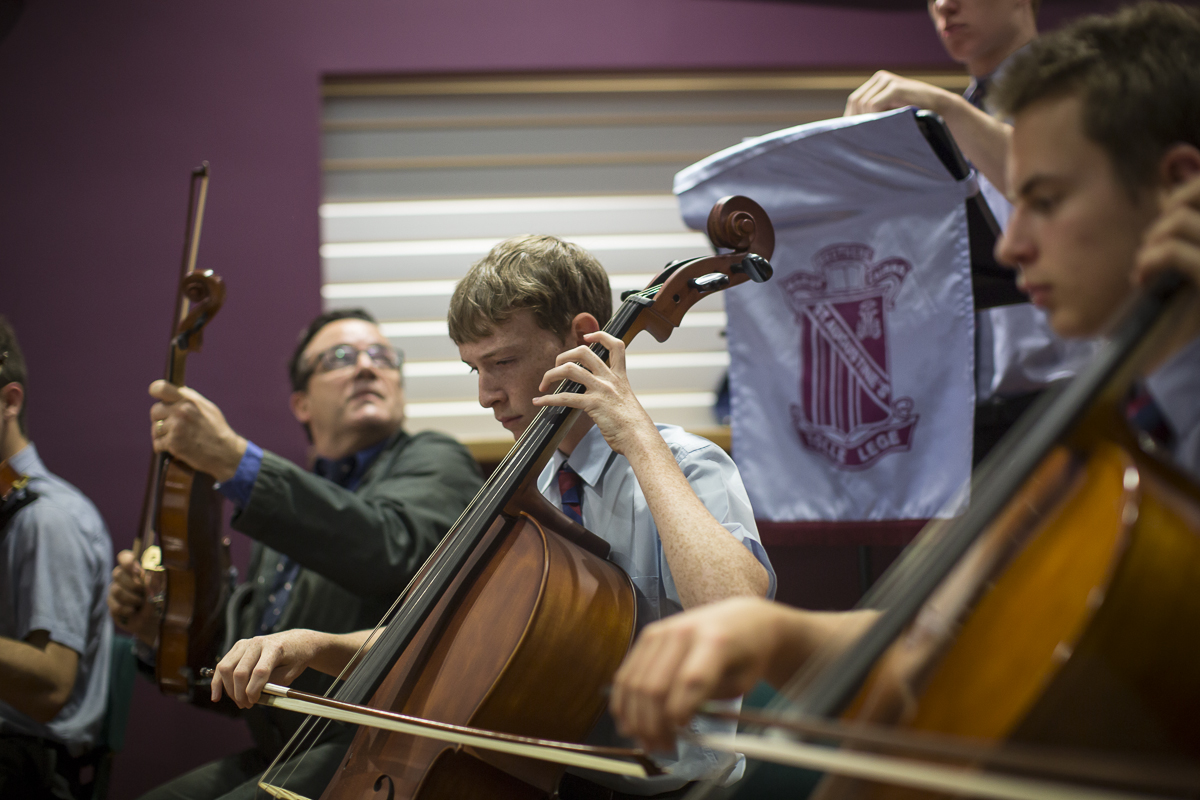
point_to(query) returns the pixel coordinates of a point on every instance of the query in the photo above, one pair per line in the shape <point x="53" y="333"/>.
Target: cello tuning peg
<point x="757" y="268"/>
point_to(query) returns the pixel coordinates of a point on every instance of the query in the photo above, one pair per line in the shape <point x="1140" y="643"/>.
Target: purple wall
<point x="105" y="107"/>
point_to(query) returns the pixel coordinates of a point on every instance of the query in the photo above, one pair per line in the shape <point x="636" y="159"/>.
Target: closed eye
<point x="1043" y="204"/>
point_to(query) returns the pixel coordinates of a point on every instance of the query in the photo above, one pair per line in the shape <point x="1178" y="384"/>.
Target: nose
<point x="363" y="361"/>
<point x="1015" y="246"/>
<point x="490" y="393"/>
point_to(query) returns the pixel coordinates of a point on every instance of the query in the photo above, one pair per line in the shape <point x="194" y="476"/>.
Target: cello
<point x="1049" y="625"/>
<point x="179" y="541"/>
<point x="517" y="620"/>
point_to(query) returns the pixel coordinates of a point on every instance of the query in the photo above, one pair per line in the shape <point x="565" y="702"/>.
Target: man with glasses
<point x="332" y="545"/>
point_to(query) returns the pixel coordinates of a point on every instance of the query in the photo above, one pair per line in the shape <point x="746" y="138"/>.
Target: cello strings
<point x="450" y="555"/>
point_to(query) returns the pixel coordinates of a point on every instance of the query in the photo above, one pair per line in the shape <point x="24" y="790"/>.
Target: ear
<point x="12" y="395"/>
<point x="1178" y="165"/>
<point x="299" y="405"/>
<point x="582" y="325"/>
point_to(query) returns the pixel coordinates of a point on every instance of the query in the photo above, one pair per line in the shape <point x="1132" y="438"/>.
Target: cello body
<point x="536" y="626"/>
<point x="1069" y="622"/>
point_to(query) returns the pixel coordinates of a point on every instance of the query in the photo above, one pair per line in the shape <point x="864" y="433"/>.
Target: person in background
<point x="331" y="544"/>
<point x="1104" y="172"/>
<point x="1017" y="355"/>
<point x="55" y="635"/>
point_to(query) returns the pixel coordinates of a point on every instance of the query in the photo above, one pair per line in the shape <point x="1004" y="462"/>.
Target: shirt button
<point x="271" y="598"/>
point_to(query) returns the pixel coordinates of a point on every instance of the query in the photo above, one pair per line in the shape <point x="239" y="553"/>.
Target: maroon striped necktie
<point x="569" y="491"/>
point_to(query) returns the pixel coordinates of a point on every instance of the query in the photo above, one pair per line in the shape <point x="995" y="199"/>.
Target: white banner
<point x="852" y="369"/>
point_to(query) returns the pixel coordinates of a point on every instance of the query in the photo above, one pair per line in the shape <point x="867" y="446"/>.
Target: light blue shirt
<point x="1175" y="387"/>
<point x="614" y="508"/>
<point x="55" y="560"/>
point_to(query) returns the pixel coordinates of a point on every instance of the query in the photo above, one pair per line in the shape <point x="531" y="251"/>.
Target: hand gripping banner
<point x="851" y="373"/>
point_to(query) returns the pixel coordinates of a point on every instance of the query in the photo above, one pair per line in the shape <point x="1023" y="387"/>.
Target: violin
<point x="1057" y="615"/>
<point x="179" y="538"/>
<point x="517" y="621"/>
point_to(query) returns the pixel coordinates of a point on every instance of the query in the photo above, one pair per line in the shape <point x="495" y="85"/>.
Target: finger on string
<point x="615" y="347"/>
<point x="569" y="371"/>
<point x="1182" y="222"/>
<point x="1188" y="193"/>
<point x="1178" y="255"/>
<point x="576" y="354"/>
<point x="566" y="399"/>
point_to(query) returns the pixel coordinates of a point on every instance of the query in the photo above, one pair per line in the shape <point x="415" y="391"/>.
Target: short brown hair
<point x="13" y="370"/>
<point x="1137" y="74"/>
<point x="555" y="280"/>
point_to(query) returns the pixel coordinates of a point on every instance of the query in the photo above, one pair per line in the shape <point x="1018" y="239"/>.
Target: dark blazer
<point x="357" y="550"/>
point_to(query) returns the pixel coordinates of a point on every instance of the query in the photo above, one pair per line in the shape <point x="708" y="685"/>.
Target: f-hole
<point x="391" y="795"/>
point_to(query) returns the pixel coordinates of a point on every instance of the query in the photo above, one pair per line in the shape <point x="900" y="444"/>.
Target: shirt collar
<point x="1175" y="387"/>
<point x="589" y="459"/>
<point x="349" y="471"/>
<point x="27" y="462"/>
<point x="995" y="75"/>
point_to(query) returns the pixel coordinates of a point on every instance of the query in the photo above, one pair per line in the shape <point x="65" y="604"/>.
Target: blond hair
<point x="553" y="279"/>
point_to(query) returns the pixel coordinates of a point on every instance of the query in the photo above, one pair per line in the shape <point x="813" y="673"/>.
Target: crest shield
<point x="848" y="411"/>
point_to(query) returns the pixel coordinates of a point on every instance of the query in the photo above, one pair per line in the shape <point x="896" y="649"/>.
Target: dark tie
<point x="341" y="472"/>
<point x="568" y="490"/>
<point x="977" y="94"/>
<point x="1146" y="417"/>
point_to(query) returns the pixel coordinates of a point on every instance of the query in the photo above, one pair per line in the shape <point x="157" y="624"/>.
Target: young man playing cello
<point x="1104" y="174"/>
<point x="671" y="504"/>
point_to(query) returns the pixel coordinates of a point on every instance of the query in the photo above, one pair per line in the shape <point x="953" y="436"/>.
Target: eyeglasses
<point x="345" y="355"/>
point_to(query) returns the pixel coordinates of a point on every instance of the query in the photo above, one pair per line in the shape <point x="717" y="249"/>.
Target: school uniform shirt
<point x="55" y="560"/>
<point x="1175" y="388"/>
<point x="615" y="509"/>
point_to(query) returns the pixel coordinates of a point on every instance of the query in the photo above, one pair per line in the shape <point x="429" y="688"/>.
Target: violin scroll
<point x="205" y="292"/>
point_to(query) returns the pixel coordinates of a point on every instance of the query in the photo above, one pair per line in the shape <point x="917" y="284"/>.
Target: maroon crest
<point x="847" y="411"/>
